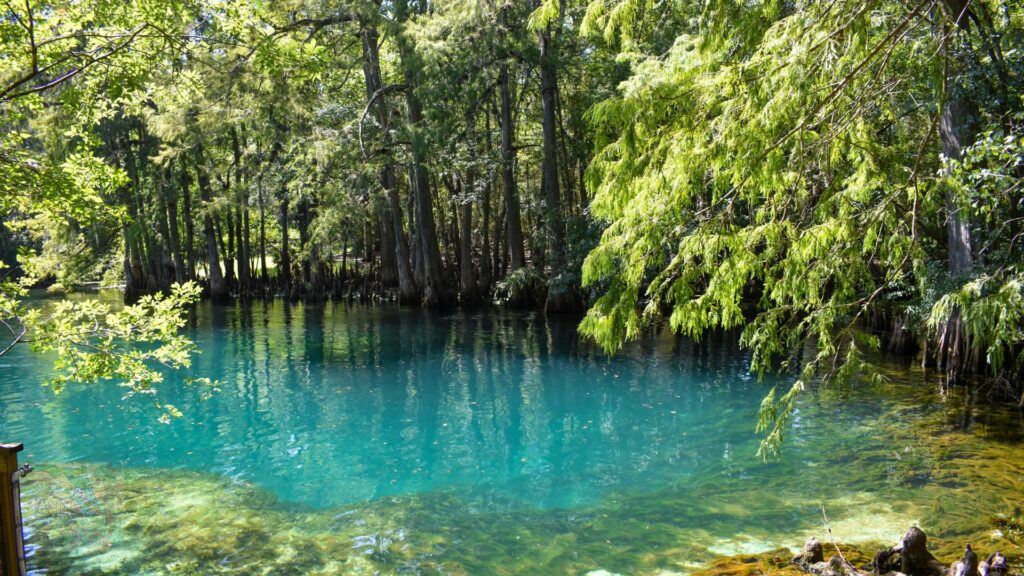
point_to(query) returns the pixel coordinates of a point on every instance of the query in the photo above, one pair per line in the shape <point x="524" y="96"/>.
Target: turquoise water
<point x="484" y="442"/>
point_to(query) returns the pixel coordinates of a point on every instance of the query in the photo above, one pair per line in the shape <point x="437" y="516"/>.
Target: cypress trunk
<point x="218" y="289"/>
<point x="408" y="292"/>
<point x="513" y="223"/>
<point x="263" y="234"/>
<point x="180" y="274"/>
<point x="230" y="252"/>
<point x="165" y="249"/>
<point x="561" y="296"/>
<point x="186" y="202"/>
<point x="435" y="292"/>
<point x="242" y="222"/>
<point x="957" y="130"/>
<point x="388" y="257"/>
<point x="486" y="274"/>
<point x="284" y="265"/>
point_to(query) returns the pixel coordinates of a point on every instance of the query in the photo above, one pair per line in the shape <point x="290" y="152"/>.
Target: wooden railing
<point x="12" y="553"/>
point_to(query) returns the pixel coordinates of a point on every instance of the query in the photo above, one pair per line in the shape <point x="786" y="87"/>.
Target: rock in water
<point x="812" y="553"/>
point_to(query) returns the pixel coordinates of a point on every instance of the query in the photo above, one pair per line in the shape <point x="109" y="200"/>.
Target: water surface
<point x="357" y="439"/>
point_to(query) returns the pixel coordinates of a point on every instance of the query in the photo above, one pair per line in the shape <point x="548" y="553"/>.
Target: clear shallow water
<point x="471" y="443"/>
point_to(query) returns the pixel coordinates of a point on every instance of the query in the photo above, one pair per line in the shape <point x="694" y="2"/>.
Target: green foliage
<point x="545" y="14"/>
<point x="772" y="417"/>
<point x="986" y="184"/>
<point x="94" y="342"/>
<point x="69" y="69"/>
<point x="772" y="171"/>
<point x="993" y="311"/>
<point x="86" y="59"/>
<point x="614" y="21"/>
<point x="523" y="288"/>
<point x="582" y="234"/>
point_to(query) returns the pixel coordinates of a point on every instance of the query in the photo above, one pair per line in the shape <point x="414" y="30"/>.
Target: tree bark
<point x="172" y="216"/>
<point x="388" y="256"/>
<point x="415" y="244"/>
<point x="218" y="290"/>
<point x="247" y="247"/>
<point x="910" y="557"/>
<point x="461" y="189"/>
<point x="305" y="217"/>
<point x="957" y="130"/>
<point x="225" y="255"/>
<point x="561" y="296"/>
<point x="513" y="223"/>
<point x="133" y="273"/>
<point x="408" y="292"/>
<point x="230" y="252"/>
<point x="486" y="273"/>
<point x="469" y="290"/>
<point x="263" y="233"/>
<point x="190" y="236"/>
<point x="242" y="225"/>
<point x="435" y="292"/>
<point x="165" y="246"/>
<point x="284" y="265"/>
<point x="554" y="227"/>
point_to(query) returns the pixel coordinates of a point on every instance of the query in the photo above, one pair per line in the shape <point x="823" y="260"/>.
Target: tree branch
<point x="383" y="91"/>
<point x="7" y="95"/>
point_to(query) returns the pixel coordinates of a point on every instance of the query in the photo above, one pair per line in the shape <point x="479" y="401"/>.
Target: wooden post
<point x="12" y="554"/>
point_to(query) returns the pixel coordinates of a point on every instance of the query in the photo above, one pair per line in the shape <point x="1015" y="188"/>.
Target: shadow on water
<point x="348" y="439"/>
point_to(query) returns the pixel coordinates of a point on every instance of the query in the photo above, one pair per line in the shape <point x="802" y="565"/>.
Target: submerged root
<point x="908" y="557"/>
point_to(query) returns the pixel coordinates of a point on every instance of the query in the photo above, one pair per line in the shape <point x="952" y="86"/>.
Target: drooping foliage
<point x="791" y="169"/>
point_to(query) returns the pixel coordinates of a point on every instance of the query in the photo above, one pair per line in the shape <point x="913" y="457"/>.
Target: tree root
<point x="909" y="557"/>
